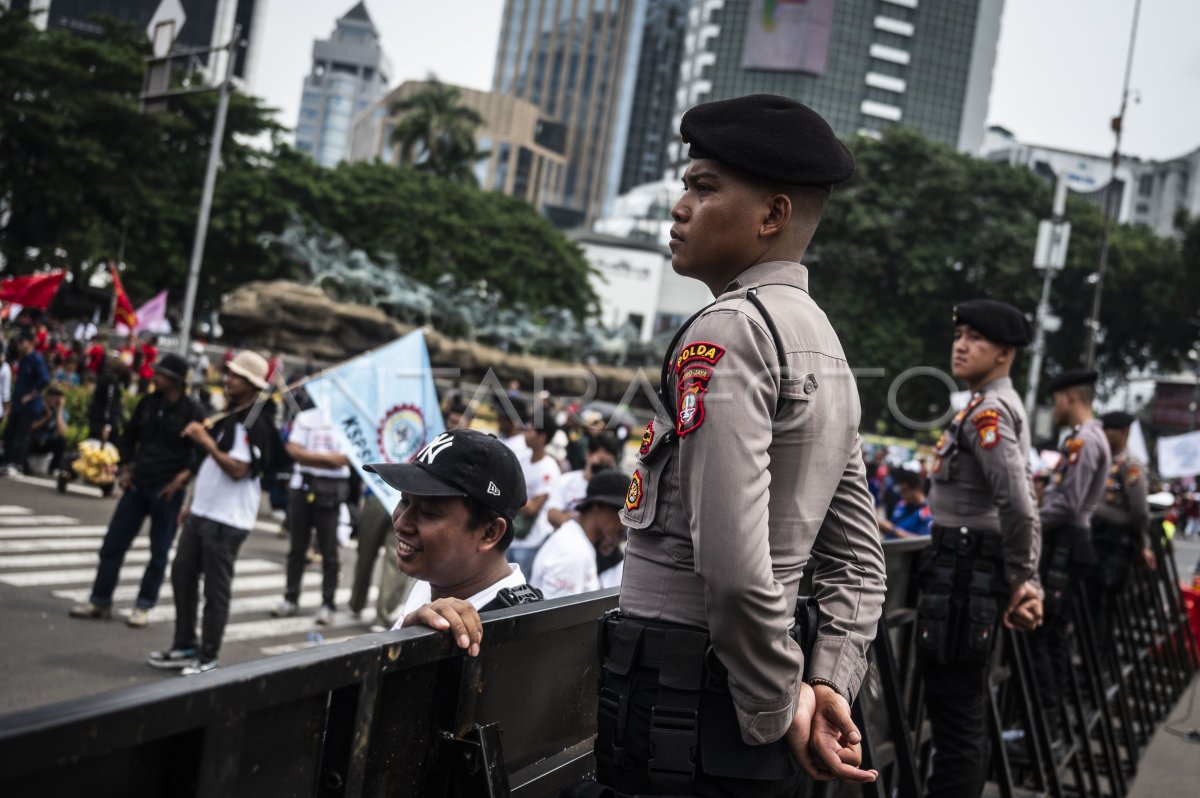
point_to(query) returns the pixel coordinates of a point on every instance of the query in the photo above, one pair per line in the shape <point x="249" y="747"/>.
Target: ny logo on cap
<point x="438" y="445"/>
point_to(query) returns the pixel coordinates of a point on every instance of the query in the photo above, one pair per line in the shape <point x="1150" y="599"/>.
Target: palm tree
<point x="436" y="133"/>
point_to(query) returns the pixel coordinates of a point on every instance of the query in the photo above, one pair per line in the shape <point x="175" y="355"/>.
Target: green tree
<point x="436" y="132"/>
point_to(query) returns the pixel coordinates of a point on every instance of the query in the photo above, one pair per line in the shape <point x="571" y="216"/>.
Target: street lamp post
<point x="1118" y="123"/>
<point x="1049" y="256"/>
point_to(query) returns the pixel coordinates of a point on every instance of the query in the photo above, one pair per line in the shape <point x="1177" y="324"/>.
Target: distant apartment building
<point x="1147" y="192"/>
<point x="862" y="64"/>
<point x="521" y="150"/>
<point x="349" y="73"/>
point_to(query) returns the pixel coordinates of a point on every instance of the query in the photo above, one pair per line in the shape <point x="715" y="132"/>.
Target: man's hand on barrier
<point x="1024" y="611"/>
<point x="1149" y="559"/>
<point x="453" y="615"/>
<point x="834" y="742"/>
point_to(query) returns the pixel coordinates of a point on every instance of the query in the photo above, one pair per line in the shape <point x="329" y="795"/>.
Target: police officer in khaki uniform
<point x="1076" y="488"/>
<point x="750" y="473"/>
<point x="1120" y="525"/>
<point x="982" y="563"/>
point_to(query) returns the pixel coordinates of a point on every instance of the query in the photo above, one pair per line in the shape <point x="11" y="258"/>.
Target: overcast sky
<point x="1057" y="80"/>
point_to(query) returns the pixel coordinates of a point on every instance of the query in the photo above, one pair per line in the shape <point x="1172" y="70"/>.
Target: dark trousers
<point x="209" y="548"/>
<point x="303" y="519"/>
<point x="55" y="447"/>
<point x="17" y="431"/>
<point x="1066" y="557"/>
<point x="956" y="700"/>
<point x="135" y="504"/>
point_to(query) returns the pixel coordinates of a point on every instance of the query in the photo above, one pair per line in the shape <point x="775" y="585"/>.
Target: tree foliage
<point x="436" y="132"/>
<point x="921" y="227"/>
<point x="82" y="170"/>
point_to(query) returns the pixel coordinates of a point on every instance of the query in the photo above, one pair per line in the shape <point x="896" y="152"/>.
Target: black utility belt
<point x="966" y="540"/>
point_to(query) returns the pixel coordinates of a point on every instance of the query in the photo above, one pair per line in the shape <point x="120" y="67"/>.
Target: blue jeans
<point x="137" y="503"/>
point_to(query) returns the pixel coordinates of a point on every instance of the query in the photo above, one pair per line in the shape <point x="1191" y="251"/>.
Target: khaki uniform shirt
<point x="1125" y="493"/>
<point x="981" y="478"/>
<point x="742" y="478"/>
<point x="1078" y="481"/>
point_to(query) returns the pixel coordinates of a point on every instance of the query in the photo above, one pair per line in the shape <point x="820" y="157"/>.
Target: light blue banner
<point x="385" y="403"/>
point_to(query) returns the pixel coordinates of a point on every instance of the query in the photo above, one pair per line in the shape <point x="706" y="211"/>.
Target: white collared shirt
<point x="422" y="594"/>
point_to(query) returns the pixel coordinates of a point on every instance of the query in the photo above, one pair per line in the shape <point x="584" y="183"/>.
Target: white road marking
<point x="87" y="575"/>
<point x="65" y="559"/>
<point x="128" y="592"/>
<point x="40" y="532"/>
<point x="12" y="509"/>
<point x="64" y="544"/>
<point x="37" y="520"/>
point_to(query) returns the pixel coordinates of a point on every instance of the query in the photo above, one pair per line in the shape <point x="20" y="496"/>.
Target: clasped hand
<point x="824" y="739"/>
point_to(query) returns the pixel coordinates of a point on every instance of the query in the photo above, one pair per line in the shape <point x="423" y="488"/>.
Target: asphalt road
<point x="48" y="554"/>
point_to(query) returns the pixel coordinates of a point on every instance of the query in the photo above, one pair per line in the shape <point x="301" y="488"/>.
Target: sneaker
<point x="198" y="667"/>
<point x="378" y="627"/>
<point x="325" y="616"/>
<point x="172" y="658"/>
<point x="139" y="618"/>
<point x="90" y="610"/>
<point x="10" y="471"/>
<point x="286" y="609"/>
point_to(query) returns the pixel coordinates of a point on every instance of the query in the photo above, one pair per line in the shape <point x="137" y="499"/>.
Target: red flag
<point x="123" y="312"/>
<point x="31" y="290"/>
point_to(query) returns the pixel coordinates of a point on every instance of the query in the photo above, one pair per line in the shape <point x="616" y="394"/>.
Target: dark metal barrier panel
<point x="407" y="714"/>
<point x="363" y="717"/>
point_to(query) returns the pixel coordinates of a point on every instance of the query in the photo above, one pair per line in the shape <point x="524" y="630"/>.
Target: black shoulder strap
<point x="780" y="353"/>
<point x="669" y="356"/>
<point x="513" y="597"/>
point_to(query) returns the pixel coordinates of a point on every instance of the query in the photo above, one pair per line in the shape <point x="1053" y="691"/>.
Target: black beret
<point x="770" y="137"/>
<point x="1069" y="379"/>
<point x="997" y="321"/>
<point x="1117" y="419"/>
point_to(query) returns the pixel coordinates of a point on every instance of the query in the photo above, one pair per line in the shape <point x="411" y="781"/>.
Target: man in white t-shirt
<point x="570" y="488"/>
<point x="223" y="509"/>
<point x="566" y="564"/>
<point x="541" y="472"/>
<point x="453" y="524"/>
<point x="320" y="484"/>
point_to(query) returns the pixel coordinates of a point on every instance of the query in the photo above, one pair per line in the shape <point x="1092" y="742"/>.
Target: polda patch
<point x="1074" y="446"/>
<point x="987" y="424"/>
<point x="701" y="351"/>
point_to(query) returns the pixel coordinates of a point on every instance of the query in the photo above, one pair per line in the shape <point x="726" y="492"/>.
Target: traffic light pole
<point x="206" y="196"/>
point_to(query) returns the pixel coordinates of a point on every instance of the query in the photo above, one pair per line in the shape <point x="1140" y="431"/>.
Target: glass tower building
<point x="924" y="64"/>
<point x="349" y="73"/>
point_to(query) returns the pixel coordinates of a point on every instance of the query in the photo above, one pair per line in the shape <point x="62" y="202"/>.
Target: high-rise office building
<point x="199" y="24"/>
<point x="569" y="58"/>
<point x="862" y="64"/>
<point x="659" y="28"/>
<point x="349" y="72"/>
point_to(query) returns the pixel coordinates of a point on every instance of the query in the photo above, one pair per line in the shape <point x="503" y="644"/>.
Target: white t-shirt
<point x="567" y="491"/>
<point x="539" y="480"/>
<point x="219" y="497"/>
<point x="518" y="446"/>
<point x="612" y="576"/>
<point x="5" y="384"/>
<point x="566" y="565"/>
<point x="313" y="430"/>
<point x="421" y="594"/>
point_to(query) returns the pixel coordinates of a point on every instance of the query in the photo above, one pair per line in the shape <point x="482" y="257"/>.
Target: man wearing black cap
<point x="1075" y="489"/>
<point x="986" y="537"/>
<point x="750" y="473"/>
<point x="566" y="564"/>
<point x="156" y="464"/>
<point x="453" y="525"/>
<point x="1120" y="525"/>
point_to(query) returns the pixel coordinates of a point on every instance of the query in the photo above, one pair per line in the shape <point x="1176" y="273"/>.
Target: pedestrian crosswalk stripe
<point x="287" y="648"/>
<point x="12" y="509"/>
<point x="37" y="520"/>
<point x="86" y="575"/>
<point x="65" y="559"/>
<point x="62" y="544"/>
<point x="278" y="627"/>
<point x="40" y="532"/>
<point x="310" y="602"/>
<point x="241" y="584"/>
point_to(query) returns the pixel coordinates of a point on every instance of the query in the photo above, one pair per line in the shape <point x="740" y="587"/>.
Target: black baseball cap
<point x="461" y="462"/>
<point x="608" y="488"/>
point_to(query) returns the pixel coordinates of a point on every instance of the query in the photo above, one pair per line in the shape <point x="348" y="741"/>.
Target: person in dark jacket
<point x="156" y="463"/>
<point x="29" y="380"/>
<point x="106" y="410"/>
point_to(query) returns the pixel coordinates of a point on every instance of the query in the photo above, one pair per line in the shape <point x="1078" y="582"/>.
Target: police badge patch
<point x="1074" y="446"/>
<point x="987" y="423"/>
<point x="633" y="497"/>
<point x="693" y="370"/>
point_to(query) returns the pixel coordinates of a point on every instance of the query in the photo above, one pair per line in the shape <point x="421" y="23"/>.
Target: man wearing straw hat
<point x="222" y="512"/>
